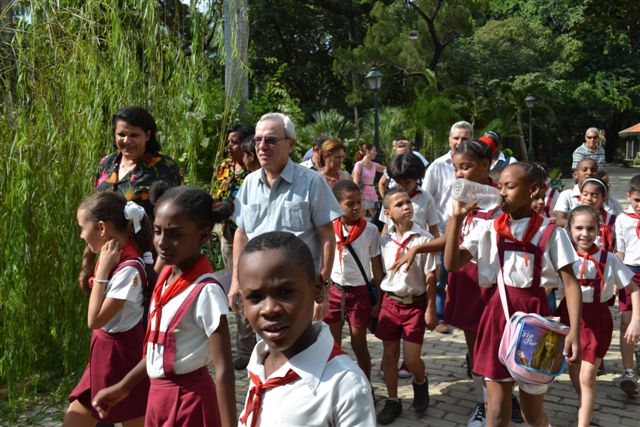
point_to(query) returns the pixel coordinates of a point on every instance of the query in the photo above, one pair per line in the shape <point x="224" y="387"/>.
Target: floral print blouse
<point x="227" y="182"/>
<point x="134" y="186"/>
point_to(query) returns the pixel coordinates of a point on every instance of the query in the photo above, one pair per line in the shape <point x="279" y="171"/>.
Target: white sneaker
<point x="478" y="416"/>
<point x="628" y="381"/>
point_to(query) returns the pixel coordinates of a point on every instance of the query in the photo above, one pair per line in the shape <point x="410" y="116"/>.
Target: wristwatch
<point x="326" y="282"/>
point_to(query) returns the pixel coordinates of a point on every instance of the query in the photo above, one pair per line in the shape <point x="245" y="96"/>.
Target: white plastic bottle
<point x="466" y="191"/>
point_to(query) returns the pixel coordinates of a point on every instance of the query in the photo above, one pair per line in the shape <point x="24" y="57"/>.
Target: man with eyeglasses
<point x="590" y="149"/>
<point x="284" y="196"/>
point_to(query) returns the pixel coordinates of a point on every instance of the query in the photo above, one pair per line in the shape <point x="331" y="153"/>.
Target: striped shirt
<point x="583" y="152"/>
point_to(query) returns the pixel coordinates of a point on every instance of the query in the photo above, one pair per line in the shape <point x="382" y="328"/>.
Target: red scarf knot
<point x="637" y="218"/>
<point x="586" y="257"/>
<point x="356" y="230"/>
<point x="403" y="245"/>
<point x="501" y="225"/>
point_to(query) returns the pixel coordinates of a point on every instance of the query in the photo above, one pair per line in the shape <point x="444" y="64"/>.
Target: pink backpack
<point x="531" y="346"/>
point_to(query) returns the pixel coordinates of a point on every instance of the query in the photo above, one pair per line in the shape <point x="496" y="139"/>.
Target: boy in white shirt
<point x="299" y="376"/>
<point x="408" y="304"/>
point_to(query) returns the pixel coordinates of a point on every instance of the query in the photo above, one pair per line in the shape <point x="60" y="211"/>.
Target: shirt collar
<point x="575" y="191"/>
<point x="286" y="174"/>
<point x="309" y="364"/>
<point x="391" y="230"/>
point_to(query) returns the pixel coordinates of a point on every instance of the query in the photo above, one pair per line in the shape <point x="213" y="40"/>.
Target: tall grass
<point x="66" y="67"/>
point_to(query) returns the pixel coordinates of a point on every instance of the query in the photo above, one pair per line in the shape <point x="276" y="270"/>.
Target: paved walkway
<point x="452" y="399"/>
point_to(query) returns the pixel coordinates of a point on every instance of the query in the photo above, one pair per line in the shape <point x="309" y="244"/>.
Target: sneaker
<point x="442" y="328"/>
<point x="420" y="396"/>
<point x="392" y="410"/>
<point x="240" y="363"/>
<point x="516" y="412"/>
<point x="628" y="382"/>
<point x="403" y="372"/>
<point x="478" y="417"/>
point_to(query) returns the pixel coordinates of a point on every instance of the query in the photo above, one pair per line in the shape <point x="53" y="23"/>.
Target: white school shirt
<point x="329" y="393"/>
<point x="366" y="246"/>
<point x="482" y="244"/>
<point x="615" y="273"/>
<point x="193" y="332"/>
<point x="554" y="199"/>
<point x="627" y="240"/>
<point x="125" y="285"/>
<point x="439" y="175"/>
<point x="425" y="213"/>
<point x="412" y="282"/>
<point x="569" y="199"/>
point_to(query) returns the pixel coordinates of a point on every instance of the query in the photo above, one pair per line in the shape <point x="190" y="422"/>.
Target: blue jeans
<point x="441" y="293"/>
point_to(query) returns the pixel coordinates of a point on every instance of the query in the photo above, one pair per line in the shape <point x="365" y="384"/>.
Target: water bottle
<point x="466" y="191"/>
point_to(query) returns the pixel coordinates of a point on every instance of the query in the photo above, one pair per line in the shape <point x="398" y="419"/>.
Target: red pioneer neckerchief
<point x="501" y="225"/>
<point x="636" y="217"/>
<point x="586" y="257"/>
<point x="354" y="233"/>
<point x="160" y="299"/>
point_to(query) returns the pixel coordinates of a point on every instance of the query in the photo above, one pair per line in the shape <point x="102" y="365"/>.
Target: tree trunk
<point x="236" y="42"/>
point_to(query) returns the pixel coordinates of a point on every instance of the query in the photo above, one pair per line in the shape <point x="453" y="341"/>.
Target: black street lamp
<point x="374" y="81"/>
<point x="530" y="101"/>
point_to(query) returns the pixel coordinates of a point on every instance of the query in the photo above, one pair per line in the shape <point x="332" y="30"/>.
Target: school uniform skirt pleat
<point x="187" y="400"/>
<point x="493" y="322"/>
<point x="596" y="328"/>
<point x="466" y="300"/>
<point x="112" y="356"/>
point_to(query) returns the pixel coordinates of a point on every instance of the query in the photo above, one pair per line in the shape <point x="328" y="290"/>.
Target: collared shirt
<point x="309" y="164"/>
<point x="125" y="285"/>
<point x="582" y="152"/>
<point x="483" y="247"/>
<point x="616" y="275"/>
<point x="299" y="201"/>
<point x="134" y="186"/>
<point x="329" y="392"/>
<point x="401" y="282"/>
<point x="502" y="161"/>
<point x="627" y="240"/>
<point x="437" y="177"/>
<point x="366" y="246"/>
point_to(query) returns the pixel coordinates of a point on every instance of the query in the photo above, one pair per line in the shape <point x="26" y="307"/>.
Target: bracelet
<point x="99" y="281"/>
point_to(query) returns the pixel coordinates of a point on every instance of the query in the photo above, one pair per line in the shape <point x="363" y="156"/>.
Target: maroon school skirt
<point x="187" y="400"/>
<point x="492" y="323"/>
<point x="596" y="328"/>
<point x="112" y="356"/>
<point x="465" y="300"/>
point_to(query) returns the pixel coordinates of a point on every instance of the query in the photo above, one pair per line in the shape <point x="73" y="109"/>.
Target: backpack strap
<point x="136" y="263"/>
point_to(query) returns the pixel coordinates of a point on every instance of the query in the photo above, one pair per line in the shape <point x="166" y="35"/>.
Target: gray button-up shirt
<point x="299" y="201"/>
<point x="582" y="152"/>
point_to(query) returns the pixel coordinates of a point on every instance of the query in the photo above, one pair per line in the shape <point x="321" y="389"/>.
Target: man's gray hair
<point x="461" y="125"/>
<point x="592" y="129"/>
<point x="289" y="128"/>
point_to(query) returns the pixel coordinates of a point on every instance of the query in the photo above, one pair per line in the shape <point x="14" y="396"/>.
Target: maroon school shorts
<point x="351" y="302"/>
<point x="398" y="320"/>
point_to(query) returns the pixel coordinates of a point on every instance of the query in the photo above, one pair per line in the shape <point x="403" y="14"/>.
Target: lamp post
<point x="374" y="81"/>
<point x="530" y="101"/>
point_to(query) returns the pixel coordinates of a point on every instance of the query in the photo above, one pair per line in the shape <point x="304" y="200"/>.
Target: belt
<point x="410" y="299"/>
<point x="344" y="288"/>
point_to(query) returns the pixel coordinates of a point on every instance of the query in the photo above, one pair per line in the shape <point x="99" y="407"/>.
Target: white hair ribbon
<point x="134" y="212"/>
<point x="147" y="257"/>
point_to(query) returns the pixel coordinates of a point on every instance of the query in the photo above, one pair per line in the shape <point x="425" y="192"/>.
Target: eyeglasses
<point x="269" y="140"/>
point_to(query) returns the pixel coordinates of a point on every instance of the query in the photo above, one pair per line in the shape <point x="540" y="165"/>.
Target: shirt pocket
<point x="296" y="216"/>
<point x="250" y="217"/>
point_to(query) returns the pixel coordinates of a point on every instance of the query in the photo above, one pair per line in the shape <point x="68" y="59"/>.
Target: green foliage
<point x="67" y="67"/>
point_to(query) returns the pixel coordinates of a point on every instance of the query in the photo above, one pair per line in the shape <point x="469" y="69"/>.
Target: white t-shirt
<point x="616" y="274"/>
<point x="125" y="285"/>
<point x="482" y="244"/>
<point x="401" y="282"/>
<point x="193" y="332"/>
<point x="569" y="199"/>
<point x="627" y="240"/>
<point x="366" y="246"/>
<point x="425" y="213"/>
<point x="329" y="393"/>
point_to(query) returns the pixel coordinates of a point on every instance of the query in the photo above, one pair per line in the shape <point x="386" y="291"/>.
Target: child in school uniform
<point x="599" y="272"/>
<point x="569" y="199"/>
<point x="628" y="250"/>
<point x="408" y="304"/>
<point x="348" y="291"/>
<point x="594" y="193"/>
<point x="406" y="170"/>
<point x="119" y="231"/>
<point x="187" y="321"/>
<point x="298" y="374"/>
<point x="529" y="252"/>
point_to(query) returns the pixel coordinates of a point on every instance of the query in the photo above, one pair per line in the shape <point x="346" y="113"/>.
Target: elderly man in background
<point x="591" y="149"/>
<point x="312" y="156"/>
<point x="284" y="196"/>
